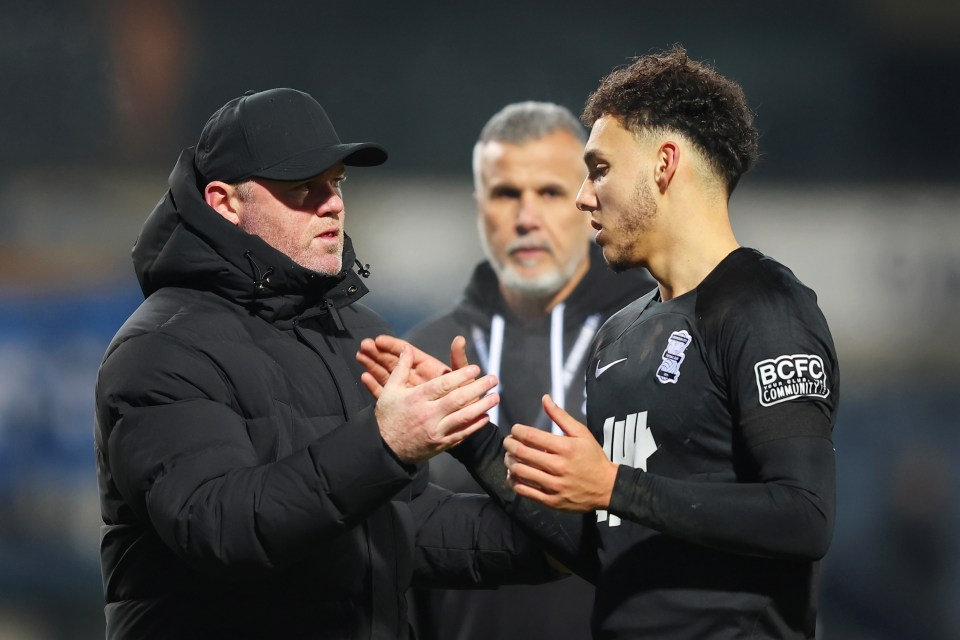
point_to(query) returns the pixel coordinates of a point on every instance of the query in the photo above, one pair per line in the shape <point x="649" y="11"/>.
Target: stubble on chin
<point x="330" y="264"/>
<point x="618" y="265"/>
<point x="327" y="263"/>
<point x="636" y="221"/>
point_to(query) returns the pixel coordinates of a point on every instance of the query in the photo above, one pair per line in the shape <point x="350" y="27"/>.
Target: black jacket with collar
<point x="245" y="489"/>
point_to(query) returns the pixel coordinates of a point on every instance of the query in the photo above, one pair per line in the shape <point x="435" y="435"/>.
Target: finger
<point x="390" y="344"/>
<point x="460" y="420"/>
<point x="538" y="439"/>
<point x="458" y="353"/>
<point x="523" y="454"/>
<point x="567" y="423"/>
<point x="427" y="366"/>
<point x="531" y="475"/>
<point x="372" y="385"/>
<point x="511" y="445"/>
<point x="515" y="484"/>
<point x="508" y="458"/>
<point x="458" y="435"/>
<point x="400" y="373"/>
<point x="525" y="490"/>
<point x="378" y="371"/>
<point x="468" y="430"/>
<point x="442" y="386"/>
<point x="467" y="393"/>
<point x="383" y="358"/>
<point x="512" y="481"/>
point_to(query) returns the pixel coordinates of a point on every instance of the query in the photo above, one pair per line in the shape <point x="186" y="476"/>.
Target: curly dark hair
<point x="670" y="91"/>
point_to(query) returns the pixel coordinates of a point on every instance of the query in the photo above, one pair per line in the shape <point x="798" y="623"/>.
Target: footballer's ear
<point x="668" y="159"/>
<point x="223" y="198"/>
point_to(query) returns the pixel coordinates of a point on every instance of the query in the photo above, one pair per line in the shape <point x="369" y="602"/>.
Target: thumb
<point x="567" y="423"/>
<point x="401" y="372"/>
<point x="458" y="353"/>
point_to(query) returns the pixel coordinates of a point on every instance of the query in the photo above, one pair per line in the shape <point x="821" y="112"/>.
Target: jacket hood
<point x="599" y="289"/>
<point x="185" y="243"/>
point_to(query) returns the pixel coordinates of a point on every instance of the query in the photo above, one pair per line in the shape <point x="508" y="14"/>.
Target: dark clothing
<point x="245" y="489"/>
<point x="719" y="407"/>
<point x="535" y="356"/>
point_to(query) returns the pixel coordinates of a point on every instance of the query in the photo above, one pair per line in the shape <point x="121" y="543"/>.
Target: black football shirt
<point x="719" y="406"/>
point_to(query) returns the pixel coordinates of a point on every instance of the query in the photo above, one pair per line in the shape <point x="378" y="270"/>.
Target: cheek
<point x="568" y="228"/>
<point x="497" y="230"/>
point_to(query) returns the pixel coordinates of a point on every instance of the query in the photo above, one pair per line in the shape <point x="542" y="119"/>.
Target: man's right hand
<point x="419" y="421"/>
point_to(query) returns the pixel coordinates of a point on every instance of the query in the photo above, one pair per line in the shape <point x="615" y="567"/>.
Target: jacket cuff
<point x="479" y="447"/>
<point x="359" y="468"/>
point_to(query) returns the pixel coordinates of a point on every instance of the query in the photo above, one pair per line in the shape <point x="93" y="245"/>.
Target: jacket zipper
<point x="336" y="383"/>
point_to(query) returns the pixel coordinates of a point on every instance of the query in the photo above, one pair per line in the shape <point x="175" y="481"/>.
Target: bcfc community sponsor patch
<point x="789" y="377"/>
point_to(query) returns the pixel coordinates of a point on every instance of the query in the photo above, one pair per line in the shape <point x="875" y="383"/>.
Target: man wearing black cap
<point x="249" y="487"/>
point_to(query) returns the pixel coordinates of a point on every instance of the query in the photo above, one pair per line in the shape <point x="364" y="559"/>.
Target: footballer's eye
<point x="598" y="172"/>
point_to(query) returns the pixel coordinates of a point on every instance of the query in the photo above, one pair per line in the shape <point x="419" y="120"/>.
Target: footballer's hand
<point x="569" y="472"/>
<point x="419" y="421"/>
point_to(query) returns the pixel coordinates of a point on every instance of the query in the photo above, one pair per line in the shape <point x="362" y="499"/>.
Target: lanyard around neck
<point x="562" y="370"/>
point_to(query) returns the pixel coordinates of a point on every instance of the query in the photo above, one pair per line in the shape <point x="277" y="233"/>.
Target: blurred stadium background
<point x="858" y="191"/>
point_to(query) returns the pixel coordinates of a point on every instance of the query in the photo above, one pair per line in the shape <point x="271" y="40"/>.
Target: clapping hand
<point x="380" y="356"/>
<point x="423" y="407"/>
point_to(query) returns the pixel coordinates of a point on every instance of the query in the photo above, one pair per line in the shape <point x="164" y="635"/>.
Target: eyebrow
<point x="591" y="156"/>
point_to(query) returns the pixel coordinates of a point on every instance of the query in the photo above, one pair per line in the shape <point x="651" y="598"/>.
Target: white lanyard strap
<point x="562" y="370"/>
<point x="490" y="360"/>
<point x="557" y="388"/>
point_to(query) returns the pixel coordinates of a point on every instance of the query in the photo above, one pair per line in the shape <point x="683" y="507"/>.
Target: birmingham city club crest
<point x="673" y="357"/>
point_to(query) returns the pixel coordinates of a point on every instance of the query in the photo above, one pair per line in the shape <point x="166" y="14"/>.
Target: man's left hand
<point x="380" y="356"/>
<point x="570" y="473"/>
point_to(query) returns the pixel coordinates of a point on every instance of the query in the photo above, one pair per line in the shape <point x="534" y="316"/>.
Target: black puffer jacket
<point x="245" y="489"/>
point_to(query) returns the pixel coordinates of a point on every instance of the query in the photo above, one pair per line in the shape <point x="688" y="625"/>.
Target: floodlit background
<point x="857" y="191"/>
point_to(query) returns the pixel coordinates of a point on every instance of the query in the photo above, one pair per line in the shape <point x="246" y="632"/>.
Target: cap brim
<point x="316" y="161"/>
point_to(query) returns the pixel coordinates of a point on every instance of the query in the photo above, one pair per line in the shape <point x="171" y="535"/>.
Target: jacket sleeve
<point x="177" y="451"/>
<point x="468" y="541"/>
<point x="790" y="507"/>
<point x="570" y="538"/>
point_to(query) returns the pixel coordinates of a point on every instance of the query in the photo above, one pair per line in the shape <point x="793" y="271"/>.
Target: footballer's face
<point x="531" y="231"/>
<point x="618" y="193"/>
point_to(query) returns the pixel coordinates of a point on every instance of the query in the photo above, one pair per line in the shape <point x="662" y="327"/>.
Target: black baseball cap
<point x="279" y="134"/>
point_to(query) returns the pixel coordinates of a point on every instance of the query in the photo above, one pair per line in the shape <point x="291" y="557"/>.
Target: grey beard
<point x="542" y="286"/>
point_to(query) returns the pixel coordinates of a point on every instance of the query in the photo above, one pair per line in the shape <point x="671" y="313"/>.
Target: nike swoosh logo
<point x="605" y="367"/>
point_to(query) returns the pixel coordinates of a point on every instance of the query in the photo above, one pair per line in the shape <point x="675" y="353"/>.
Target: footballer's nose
<point x="587" y="197"/>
